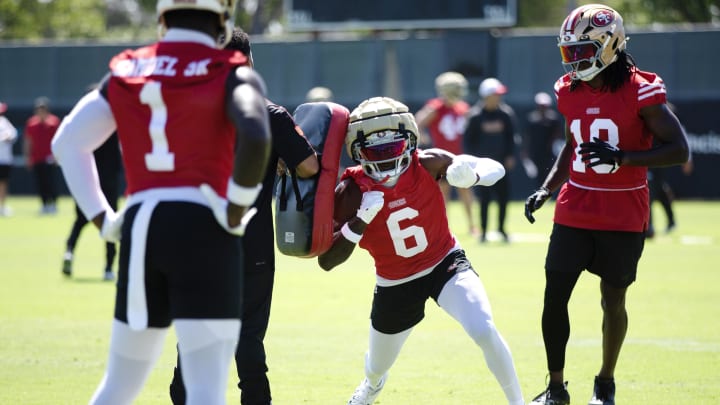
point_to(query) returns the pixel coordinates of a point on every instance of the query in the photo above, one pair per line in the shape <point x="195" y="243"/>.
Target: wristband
<point x="240" y="195"/>
<point x="349" y="234"/>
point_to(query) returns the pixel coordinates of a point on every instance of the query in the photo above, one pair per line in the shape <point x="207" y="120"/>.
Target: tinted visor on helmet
<point x="578" y="52"/>
<point x="384" y="151"/>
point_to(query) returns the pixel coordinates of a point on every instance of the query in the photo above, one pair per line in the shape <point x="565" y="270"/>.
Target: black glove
<point x="534" y="202"/>
<point x="599" y="152"/>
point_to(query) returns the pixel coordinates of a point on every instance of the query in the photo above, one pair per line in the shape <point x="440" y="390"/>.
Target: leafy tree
<point x="36" y="20"/>
<point x="644" y="12"/>
<point x="58" y="19"/>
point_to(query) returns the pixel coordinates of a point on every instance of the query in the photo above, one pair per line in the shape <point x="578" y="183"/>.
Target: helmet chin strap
<point x="588" y="74"/>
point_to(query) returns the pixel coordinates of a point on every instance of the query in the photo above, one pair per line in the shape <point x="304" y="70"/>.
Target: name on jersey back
<point x="159" y="66"/>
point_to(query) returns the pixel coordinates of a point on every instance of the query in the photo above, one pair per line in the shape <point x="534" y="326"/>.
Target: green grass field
<point x="54" y="331"/>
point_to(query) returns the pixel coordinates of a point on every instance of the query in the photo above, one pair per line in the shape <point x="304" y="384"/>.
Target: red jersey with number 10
<point x="168" y="100"/>
<point x="410" y="233"/>
<point x="594" y="198"/>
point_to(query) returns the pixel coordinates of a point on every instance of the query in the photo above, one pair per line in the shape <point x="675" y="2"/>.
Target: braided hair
<point x="616" y="74"/>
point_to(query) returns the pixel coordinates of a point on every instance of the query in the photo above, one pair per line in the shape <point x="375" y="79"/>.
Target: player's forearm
<point x="560" y="171"/>
<point x="308" y="167"/>
<point x="343" y="244"/>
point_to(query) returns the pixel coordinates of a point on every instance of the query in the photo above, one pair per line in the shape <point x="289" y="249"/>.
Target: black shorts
<point x="4" y="171"/>
<point x="193" y="267"/>
<point x="400" y="307"/>
<point x="612" y="255"/>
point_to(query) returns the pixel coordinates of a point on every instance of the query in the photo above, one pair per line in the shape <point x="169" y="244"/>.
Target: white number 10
<point x="598" y="124"/>
<point x="160" y="159"/>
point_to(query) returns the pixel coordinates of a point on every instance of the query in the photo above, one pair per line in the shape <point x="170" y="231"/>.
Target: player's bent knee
<point x="482" y="332"/>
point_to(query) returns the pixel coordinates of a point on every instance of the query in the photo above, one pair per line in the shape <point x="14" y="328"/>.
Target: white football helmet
<point x="592" y="33"/>
<point x="225" y="9"/>
<point x="382" y="136"/>
<point x="451" y="86"/>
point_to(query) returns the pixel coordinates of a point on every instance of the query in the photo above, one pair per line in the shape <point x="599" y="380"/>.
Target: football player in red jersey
<point x="193" y="128"/>
<point x="392" y="206"/>
<point x="613" y="111"/>
<point x="444" y="119"/>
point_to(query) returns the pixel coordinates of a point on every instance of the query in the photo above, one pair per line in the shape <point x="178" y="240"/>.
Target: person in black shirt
<point x="290" y="148"/>
<point x="490" y="133"/>
<point x="543" y="137"/>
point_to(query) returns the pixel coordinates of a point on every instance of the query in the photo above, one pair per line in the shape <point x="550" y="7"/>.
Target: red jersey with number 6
<point x="410" y="233"/>
<point x="178" y="134"/>
<point x="597" y="198"/>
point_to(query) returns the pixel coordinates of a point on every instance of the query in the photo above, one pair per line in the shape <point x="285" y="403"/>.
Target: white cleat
<point x="365" y="394"/>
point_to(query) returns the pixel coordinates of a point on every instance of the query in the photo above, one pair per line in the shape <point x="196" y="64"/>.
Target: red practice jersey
<point x="41" y="134"/>
<point x="168" y="100"/>
<point x="410" y="233"/>
<point x="593" y="198"/>
<point x="448" y="124"/>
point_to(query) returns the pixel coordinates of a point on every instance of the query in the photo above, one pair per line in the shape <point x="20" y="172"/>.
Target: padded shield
<point x="304" y="207"/>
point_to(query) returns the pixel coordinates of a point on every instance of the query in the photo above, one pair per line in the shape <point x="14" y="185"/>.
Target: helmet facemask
<point x="384" y="155"/>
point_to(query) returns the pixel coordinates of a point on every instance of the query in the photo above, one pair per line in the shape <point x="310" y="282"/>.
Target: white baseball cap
<point x="491" y="86"/>
<point x="543" y="98"/>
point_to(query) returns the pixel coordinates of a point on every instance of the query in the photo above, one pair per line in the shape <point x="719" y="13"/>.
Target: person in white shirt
<point x="8" y="135"/>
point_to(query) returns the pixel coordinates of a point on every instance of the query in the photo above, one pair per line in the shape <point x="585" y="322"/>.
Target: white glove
<point x="372" y="203"/>
<point x="461" y="174"/>
<point x="486" y="171"/>
<point x="112" y="226"/>
<point x="219" y="209"/>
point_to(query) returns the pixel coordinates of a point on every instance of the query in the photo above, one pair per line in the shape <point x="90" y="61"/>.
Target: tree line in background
<point x="135" y="20"/>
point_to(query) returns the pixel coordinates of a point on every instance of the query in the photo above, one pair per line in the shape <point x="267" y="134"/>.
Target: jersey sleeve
<point x="651" y="89"/>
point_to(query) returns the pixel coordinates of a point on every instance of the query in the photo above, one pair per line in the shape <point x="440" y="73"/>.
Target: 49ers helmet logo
<point x="602" y="18"/>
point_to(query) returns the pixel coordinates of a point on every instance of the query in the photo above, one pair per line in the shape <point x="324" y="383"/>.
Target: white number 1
<point x="160" y="159"/>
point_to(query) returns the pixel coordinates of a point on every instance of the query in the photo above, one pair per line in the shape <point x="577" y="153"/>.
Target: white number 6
<point x="401" y="235"/>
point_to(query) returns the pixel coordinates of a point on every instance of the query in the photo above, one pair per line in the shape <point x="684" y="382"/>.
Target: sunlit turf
<point x="54" y="331"/>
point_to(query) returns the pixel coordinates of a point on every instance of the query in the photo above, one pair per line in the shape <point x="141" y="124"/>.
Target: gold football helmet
<point x="590" y="39"/>
<point x="381" y="136"/>
<point x="451" y="86"/>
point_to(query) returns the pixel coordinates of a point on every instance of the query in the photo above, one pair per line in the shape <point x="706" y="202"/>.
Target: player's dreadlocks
<point x="616" y="74"/>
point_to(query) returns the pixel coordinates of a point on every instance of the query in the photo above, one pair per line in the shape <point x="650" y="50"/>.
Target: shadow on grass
<point x="88" y="280"/>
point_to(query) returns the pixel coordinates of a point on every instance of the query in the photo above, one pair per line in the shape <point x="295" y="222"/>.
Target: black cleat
<point x="603" y="392"/>
<point x="67" y="264"/>
<point x="555" y="394"/>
